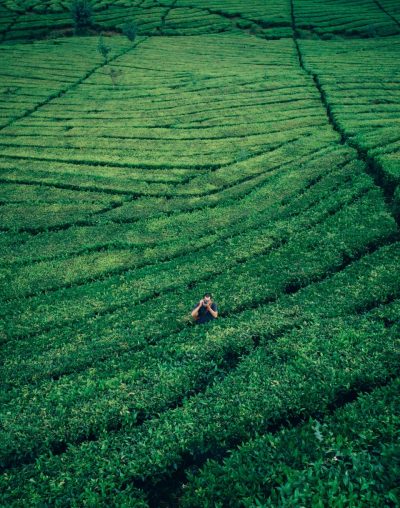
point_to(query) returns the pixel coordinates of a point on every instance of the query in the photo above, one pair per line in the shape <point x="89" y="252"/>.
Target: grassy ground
<point x="248" y="150"/>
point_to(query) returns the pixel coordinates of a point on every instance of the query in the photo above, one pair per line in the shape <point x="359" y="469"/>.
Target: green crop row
<point x="213" y="119"/>
<point x="62" y="56"/>
<point x="184" y="111"/>
<point x="27" y="169"/>
<point x="146" y="20"/>
<point x="37" y="145"/>
<point x="277" y="276"/>
<point x="274" y="259"/>
<point x="311" y="157"/>
<point x="147" y="159"/>
<point x="113" y="133"/>
<point x="175" y="125"/>
<point x="178" y="131"/>
<point x="31" y="217"/>
<point x="364" y="104"/>
<point x="186" y="105"/>
<point x="349" y="458"/>
<point x="32" y="22"/>
<point x="182" y="21"/>
<point x="296" y="376"/>
<point x="275" y="12"/>
<point x="163" y="237"/>
<point x="358" y="19"/>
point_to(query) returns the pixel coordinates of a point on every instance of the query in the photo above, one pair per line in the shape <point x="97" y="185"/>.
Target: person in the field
<point x="205" y="310"/>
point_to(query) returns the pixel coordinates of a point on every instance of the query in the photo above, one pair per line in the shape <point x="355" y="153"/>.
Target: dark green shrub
<point x="81" y="13"/>
<point x="114" y="75"/>
<point x="130" y="30"/>
<point x="103" y="49"/>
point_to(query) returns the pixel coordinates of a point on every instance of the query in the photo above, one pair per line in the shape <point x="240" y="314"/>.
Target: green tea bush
<point x="299" y="375"/>
<point x="122" y="205"/>
<point x="348" y="458"/>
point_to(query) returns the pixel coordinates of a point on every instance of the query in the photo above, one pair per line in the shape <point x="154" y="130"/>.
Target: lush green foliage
<point x="221" y="146"/>
<point x="363" y="99"/>
<point x="81" y="12"/>
<point x="348" y="458"/>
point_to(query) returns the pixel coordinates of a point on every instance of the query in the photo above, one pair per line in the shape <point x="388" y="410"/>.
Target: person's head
<point x="207" y="298"/>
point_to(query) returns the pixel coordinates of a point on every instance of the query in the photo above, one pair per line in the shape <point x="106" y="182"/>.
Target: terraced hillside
<point x="248" y="150"/>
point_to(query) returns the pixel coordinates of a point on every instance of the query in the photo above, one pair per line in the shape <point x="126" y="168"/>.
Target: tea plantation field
<point x="250" y="149"/>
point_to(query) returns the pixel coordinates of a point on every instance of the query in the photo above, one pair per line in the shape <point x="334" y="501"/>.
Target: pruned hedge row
<point x="298" y="375"/>
<point x="133" y="187"/>
<point x="155" y="239"/>
<point x="341" y="459"/>
<point x="31" y="76"/>
<point x="132" y="287"/>
<point x="65" y="411"/>
<point x="339" y="19"/>
<point x="363" y="99"/>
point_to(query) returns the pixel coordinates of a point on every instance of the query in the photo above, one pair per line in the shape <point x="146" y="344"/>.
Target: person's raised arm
<point x="195" y="312"/>
<point x="213" y="312"/>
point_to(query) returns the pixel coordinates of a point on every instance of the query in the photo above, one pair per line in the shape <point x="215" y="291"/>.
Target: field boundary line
<point x="74" y="85"/>
<point x="370" y="162"/>
<point x="376" y="2"/>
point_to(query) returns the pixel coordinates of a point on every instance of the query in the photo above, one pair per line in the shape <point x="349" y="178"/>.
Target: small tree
<point x="114" y="75"/>
<point x="103" y="49"/>
<point x="81" y="12"/>
<point x="130" y="30"/>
